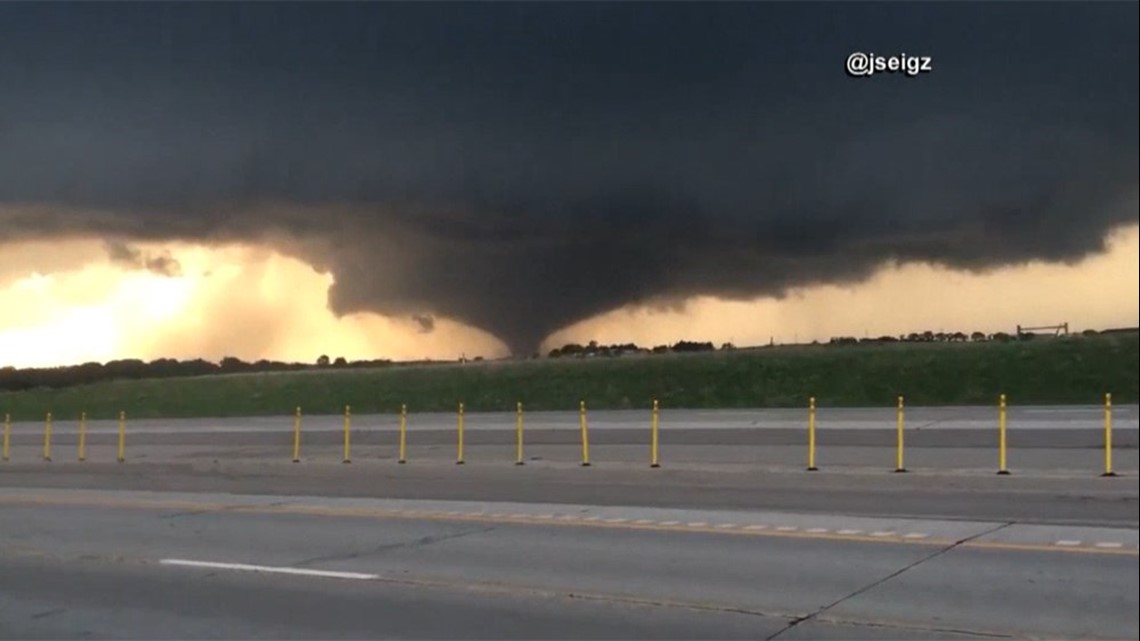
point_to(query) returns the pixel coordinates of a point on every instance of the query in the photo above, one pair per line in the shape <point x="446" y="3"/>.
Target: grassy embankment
<point x="1075" y="370"/>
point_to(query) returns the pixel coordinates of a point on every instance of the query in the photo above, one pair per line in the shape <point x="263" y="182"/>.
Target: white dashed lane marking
<point x="754" y="527"/>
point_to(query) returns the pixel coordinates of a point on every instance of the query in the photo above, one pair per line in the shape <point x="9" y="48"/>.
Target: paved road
<point x="178" y="565"/>
<point x="730" y="538"/>
<point x="1126" y="417"/>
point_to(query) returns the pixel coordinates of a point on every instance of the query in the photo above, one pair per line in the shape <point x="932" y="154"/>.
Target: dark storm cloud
<point x="426" y="322"/>
<point x="524" y="166"/>
<point x="162" y="264"/>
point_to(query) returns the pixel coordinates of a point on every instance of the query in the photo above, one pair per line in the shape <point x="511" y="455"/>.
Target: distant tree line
<point x="948" y="337"/>
<point x="12" y="379"/>
<point x="594" y="349"/>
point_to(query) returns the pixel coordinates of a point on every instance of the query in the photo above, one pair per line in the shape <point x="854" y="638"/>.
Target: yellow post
<point x="1108" y="436"/>
<point x="403" y="434"/>
<point x="653" y="442"/>
<point x="899" y="466"/>
<point x="47" y="438"/>
<point x="459" y="436"/>
<point x="297" y="435"/>
<point x="811" y="436"/>
<point x="1002" y="468"/>
<point x="82" y="437"/>
<point x="519" y="434"/>
<point x="585" y="434"/>
<point x="122" y="437"/>
<point x="7" y="445"/>
<point x="347" y="434"/>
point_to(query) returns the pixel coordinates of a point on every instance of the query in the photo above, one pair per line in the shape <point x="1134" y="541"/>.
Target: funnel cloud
<point x="521" y="167"/>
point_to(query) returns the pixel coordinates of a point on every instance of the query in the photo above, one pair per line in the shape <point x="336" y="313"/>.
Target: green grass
<point x="1075" y="370"/>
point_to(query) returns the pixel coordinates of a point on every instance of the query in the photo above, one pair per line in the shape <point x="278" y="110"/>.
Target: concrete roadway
<point x="161" y="565"/>
<point x="731" y="538"/>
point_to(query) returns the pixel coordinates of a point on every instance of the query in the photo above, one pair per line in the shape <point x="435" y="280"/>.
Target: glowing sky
<point x="66" y="303"/>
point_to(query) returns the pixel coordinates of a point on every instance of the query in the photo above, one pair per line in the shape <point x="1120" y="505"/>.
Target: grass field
<point x="1075" y="370"/>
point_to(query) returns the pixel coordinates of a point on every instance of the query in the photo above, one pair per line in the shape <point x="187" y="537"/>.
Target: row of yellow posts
<point x="1003" y="469"/>
<point x="583" y="426"/>
<point x="6" y="442"/>
<point x="1003" y="445"/>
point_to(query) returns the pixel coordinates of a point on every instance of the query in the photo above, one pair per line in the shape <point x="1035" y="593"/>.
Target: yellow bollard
<point x="459" y="436"/>
<point x="519" y="434"/>
<point x="653" y="442"/>
<point x="403" y="434"/>
<point x="297" y="435"/>
<point x="6" y="447"/>
<point x="347" y="434"/>
<point x="585" y="434"/>
<point x="122" y="437"/>
<point x="82" y="437"/>
<point x="1108" y="436"/>
<point x="811" y="435"/>
<point x="1002" y="469"/>
<point x="899" y="466"/>
<point x="47" y="438"/>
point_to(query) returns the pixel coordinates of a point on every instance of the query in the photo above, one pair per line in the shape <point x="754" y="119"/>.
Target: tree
<point x="977" y="337"/>
<point x="233" y="364"/>
<point x="340" y="362"/>
<point x="323" y="360"/>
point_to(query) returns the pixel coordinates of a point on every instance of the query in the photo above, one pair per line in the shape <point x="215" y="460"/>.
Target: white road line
<point x="245" y="567"/>
<point x="726" y="526"/>
<point x="697" y="524"/>
<point x="816" y="530"/>
<point x="882" y="533"/>
<point x="617" y="520"/>
<point x="848" y="531"/>
<point x="643" y="521"/>
<point x="756" y="527"/>
<point x="915" y="535"/>
<point x="567" y="517"/>
<point x="670" y="523"/>
<point x="517" y="516"/>
<point x="787" y="528"/>
<point x="593" y="518"/>
<point x="1067" y="542"/>
<point x="1109" y="545"/>
<point x="544" y="516"/>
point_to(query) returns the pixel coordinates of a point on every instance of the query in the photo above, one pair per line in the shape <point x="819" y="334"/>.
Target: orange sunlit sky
<point x="66" y="302"/>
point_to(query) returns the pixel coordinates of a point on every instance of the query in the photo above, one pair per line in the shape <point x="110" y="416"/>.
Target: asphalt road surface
<point x="97" y="564"/>
<point x="210" y="531"/>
